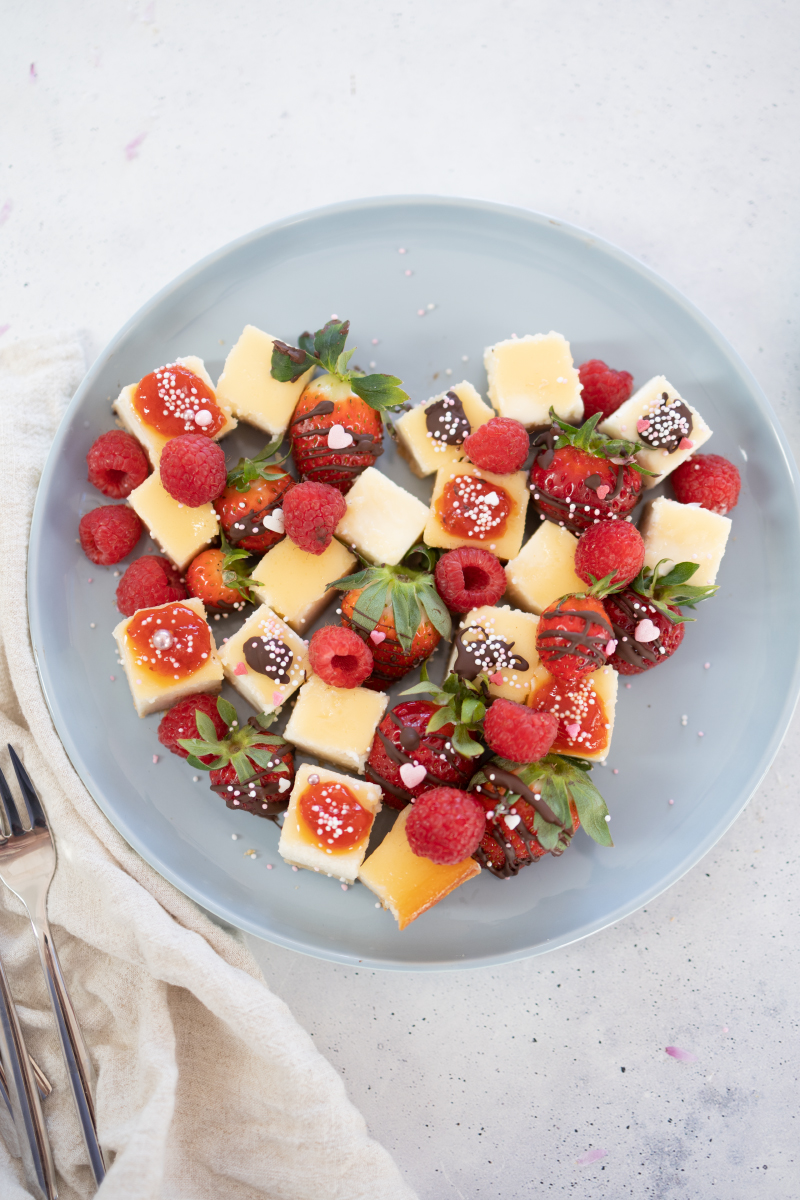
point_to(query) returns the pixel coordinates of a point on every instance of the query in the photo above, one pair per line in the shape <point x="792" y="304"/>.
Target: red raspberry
<point x="109" y="533"/>
<point x="603" y="388"/>
<point x="708" y="480"/>
<point x="467" y="579"/>
<point x="338" y="655"/>
<point x="311" y="512"/>
<point x="148" y="582"/>
<point x="606" y="547"/>
<point x="192" y="469"/>
<point x="516" y="732"/>
<point x="445" y="825"/>
<point x="117" y="464"/>
<point x="501" y="446"/>
<point x="180" y="722"/>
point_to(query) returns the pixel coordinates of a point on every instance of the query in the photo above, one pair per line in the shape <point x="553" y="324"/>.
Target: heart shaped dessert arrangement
<point x="489" y="769"/>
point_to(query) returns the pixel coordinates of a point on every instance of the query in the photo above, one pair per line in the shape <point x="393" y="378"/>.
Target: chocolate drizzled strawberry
<point x="250" y="509"/>
<point x="574" y="633"/>
<point x="406" y="760"/>
<point x="336" y="431"/>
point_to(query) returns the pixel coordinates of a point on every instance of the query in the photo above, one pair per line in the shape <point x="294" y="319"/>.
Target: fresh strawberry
<point x="336" y="431"/>
<point x="250" y="769"/>
<point x="402" y="746"/>
<point x="535" y="810"/>
<point x="398" y="612"/>
<point x="647" y="622"/>
<point x="574" y="635"/>
<point x="250" y="509"/>
<point x="581" y="477"/>
<point x="217" y="578"/>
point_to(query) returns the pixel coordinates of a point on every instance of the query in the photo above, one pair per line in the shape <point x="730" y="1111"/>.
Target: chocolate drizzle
<point x="397" y="755"/>
<point x="512" y="864"/>
<point x="323" y="409"/>
<point x="589" y="646"/>
<point x="447" y="422"/>
<point x="254" y="797"/>
<point x="668" y="424"/>
<point x="255" y="518"/>
<point x="409" y="738"/>
<point x="268" y="656"/>
<point x="486" y="652"/>
<point x="637" y="654"/>
<point x="545" y="437"/>
<point x="513" y="783"/>
<point x="391" y="788"/>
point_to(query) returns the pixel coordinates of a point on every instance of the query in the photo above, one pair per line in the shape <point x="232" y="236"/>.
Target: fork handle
<point x="76" y="1056"/>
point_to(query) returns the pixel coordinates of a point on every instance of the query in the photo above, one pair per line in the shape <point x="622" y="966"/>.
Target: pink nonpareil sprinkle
<point x="591" y="1156"/>
<point x="374" y="341"/>
<point x="627" y="685"/>
<point x="132" y="148"/>
<point x="4" y="329"/>
<point x="269" y="866"/>
<point x="112" y="678"/>
<point x="343" y="887"/>
<point x="32" y="73"/>
<point x="407" y="272"/>
<point x="155" y="759"/>
<point x="706" y="666"/>
<point x="681" y="1055"/>
<point x="724" y="1028"/>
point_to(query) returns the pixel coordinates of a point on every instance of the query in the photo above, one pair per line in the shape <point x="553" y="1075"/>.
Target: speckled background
<point x="146" y="135"/>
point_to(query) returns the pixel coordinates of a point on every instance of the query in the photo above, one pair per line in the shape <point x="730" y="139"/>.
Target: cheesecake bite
<point x="180" y="531"/>
<point x="168" y="652"/>
<point x="682" y="533"/>
<point x="293" y="582"/>
<point x="502" y="643"/>
<point x="585" y="708"/>
<point x="544" y="569"/>
<point x="336" y="724"/>
<point x="405" y="883"/>
<point x="530" y="375"/>
<point x="470" y="507"/>
<point x="265" y="660"/>
<point x="175" y="399"/>
<point x="248" y="389"/>
<point x="431" y="435"/>
<point x="383" y="520"/>
<point x="667" y="426"/>
<point x="328" y="822"/>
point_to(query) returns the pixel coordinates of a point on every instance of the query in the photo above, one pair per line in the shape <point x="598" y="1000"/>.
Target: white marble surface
<point x="666" y="128"/>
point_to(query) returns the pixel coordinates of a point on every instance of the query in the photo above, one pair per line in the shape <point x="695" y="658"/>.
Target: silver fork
<point x="27" y="865"/>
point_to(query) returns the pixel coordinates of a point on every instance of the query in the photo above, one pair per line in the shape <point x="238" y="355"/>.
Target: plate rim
<point x="487" y="208"/>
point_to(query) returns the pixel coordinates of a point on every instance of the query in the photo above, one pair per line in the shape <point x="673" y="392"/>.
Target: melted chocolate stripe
<point x="513" y="783"/>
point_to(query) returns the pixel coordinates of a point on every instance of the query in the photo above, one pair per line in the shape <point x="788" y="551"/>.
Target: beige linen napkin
<point x="207" y="1087"/>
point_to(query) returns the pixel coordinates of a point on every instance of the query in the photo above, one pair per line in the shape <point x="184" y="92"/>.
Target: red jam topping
<point x="171" y="642"/>
<point x="582" y="720"/>
<point x="173" y="400"/>
<point x="334" y="818"/>
<point x="473" y="508"/>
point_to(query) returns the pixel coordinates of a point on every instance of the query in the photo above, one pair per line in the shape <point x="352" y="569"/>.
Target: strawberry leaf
<point x="464" y="744"/>
<point x="436" y="610"/>
<point x="379" y="391"/>
<point x="672" y="589"/>
<point x="205" y="726"/>
<point x="329" y="343"/>
<point x="592" y="809"/>
<point x="306" y="342"/>
<point x="445" y="716"/>
<point x="248" y="470"/>
<point x="290" y="362"/>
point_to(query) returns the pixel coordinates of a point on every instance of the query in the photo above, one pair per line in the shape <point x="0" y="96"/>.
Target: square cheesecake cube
<point x="336" y="724"/>
<point x="575" y="703"/>
<point x="667" y="416"/>
<point x="383" y="520"/>
<point x="153" y="692"/>
<point x="530" y="375"/>
<point x="431" y="435"/>
<point x="265" y="660"/>
<point x="684" y="533"/>
<point x="293" y="582"/>
<point x="302" y="846"/>
<point x="247" y="388"/>
<point x="150" y="438"/>
<point x="544" y="569"/>
<point x="407" y="884"/>
<point x="508" y="541"/>
<point x="500" y="641"/>
<point x="180" y="531"/>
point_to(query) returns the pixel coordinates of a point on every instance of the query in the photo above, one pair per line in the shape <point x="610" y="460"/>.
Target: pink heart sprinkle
<point x="339" y="438"/>
<point x="572" y="730"/>
<point x="277" y="697"/>
<point x="686" y="444"/>
<point x="412" y="774"/>
<point x="602" y="491"/>
<point x="377" y="637"/>
<point x="611" y="647"/>
<point x="240" y="669"/>
<point x="591" y="1156"/>
<point x="642" y="425"/>
<point x="681" y="1055"/>
<point x="646" y="631"/>
<point x="497" y="678"/>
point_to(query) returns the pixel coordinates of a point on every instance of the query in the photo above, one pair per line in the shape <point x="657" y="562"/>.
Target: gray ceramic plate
<point x="489" y="271"/>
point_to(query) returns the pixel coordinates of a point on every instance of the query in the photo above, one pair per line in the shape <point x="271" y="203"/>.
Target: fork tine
<point x="11" y="819"/>
<point x="30" y="798"/>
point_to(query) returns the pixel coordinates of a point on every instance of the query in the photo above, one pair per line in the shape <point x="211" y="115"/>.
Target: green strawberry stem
<point x="586" y="437"/>
<point x="411" y="593"/>
<point x="672" y="588"/>
<point x="234" y="575"/>
<point x="248" y="470"/>
<point x="557" y="779"/>
<point x="326" y="349"/>
<point x="241" y="746"/>
<point x="462" y="704"/>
